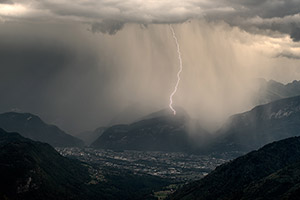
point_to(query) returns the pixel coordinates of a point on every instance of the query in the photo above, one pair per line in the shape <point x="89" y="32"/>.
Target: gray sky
<point x="81" y="64"/>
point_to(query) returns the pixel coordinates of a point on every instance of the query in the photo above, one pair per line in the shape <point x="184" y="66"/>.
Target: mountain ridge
<point x="159" y="131"/>
<point x="272" y="90"/>
<point x="261" y="125"/>
<point x="33" y="127"/>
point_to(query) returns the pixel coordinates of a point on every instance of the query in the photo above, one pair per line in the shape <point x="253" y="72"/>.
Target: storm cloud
<point x="6" y="2"/>
<point x="289" y="55"/>
<point x="107" y="26"/>
<point x="255" y="16"/>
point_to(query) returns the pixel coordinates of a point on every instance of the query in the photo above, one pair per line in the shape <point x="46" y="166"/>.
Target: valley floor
<point x="179" y="167"/>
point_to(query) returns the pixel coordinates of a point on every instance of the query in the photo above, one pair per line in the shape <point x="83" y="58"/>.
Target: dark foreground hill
<point x="31" y="126"/>
<point x="271" y="172"/>
<point x="259" y="126"/>
<point x="34" y="170"/>
<point x="160" y="131"/>
<point x="283" y="184"/>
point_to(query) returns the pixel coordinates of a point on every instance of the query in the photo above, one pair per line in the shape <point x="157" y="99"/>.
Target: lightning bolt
<point x="178" y="73"/>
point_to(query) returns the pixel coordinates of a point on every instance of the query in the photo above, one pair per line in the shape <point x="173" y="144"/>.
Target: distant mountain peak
<point x="23" y="116"/>
<point x="272" y="90"/>
<point x="33" y="127"/>
<point x="181" y="114"/>
<point x="159" y="131"/>
<point x="263" y="124"/>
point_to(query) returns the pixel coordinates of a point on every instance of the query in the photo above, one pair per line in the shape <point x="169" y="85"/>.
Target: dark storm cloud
<point x="268" y="17"/>
<point x="28" y="67"/>
<point x="107" y="26"/>
<point x="6" y="2"/>
<point x="265" y="8"/>
<point x="50" y="71"/>
<point x="256" y="16"/>
<point x="295" y="34"/>
<point x="271" y="26"/>
<point x="289" y="55"/>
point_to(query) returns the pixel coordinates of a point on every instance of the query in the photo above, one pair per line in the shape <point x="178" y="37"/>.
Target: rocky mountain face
<point x="31" y="126"/>
<point x="271" y="172"/>
<point x="268" y="91"/>
<point x="160" y="131"/>
<point x="259" y="126"/>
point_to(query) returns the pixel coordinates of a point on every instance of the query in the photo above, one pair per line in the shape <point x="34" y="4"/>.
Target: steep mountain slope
<point x="283" y="184"/>
<point x="161" y="131"/>
<point x="259" y="126"/>
<point x="33" y="127"/>
<point x="248" y="176"/>
<point x="34" y="170"/>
